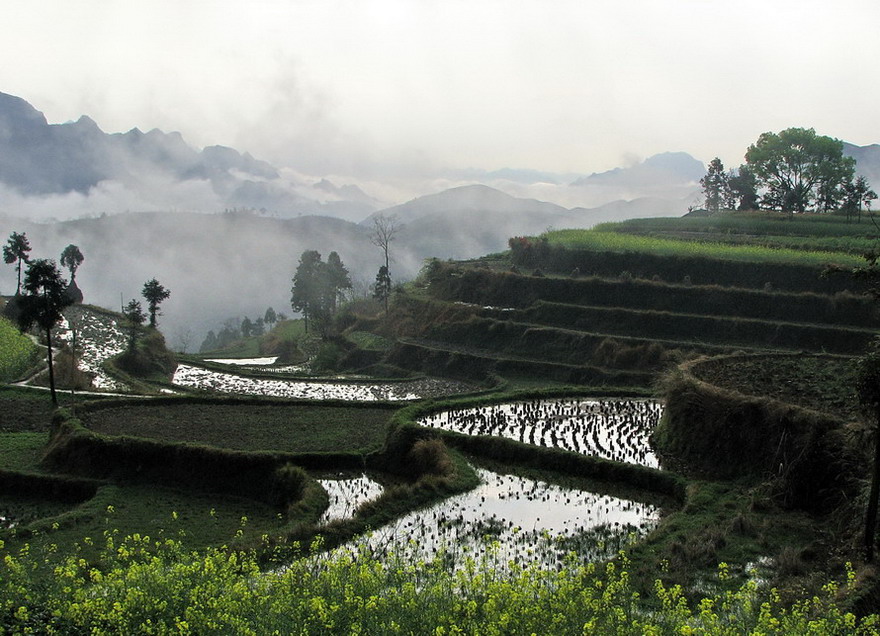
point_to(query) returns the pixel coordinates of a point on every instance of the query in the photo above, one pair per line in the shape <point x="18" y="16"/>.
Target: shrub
<point x="287" y="485"/>
<point x="430" y="456"/>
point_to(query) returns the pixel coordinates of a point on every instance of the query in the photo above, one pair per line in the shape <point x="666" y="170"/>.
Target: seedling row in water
<point x="612" y="429"/>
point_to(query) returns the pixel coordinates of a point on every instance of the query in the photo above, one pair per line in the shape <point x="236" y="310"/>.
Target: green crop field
<point x="754" y="224"/>
<point x="619" y="242"/>
<point x="17" y="352"/>
<point x="809" y="232"/>
<point x="277" y="427"/>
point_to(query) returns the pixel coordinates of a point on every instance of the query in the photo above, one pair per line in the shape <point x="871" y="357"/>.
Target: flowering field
<point x="154" y="585"/>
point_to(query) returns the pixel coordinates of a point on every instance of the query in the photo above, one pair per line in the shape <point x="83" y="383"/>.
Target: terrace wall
<point x="505" y="289"/>
<point x="725" y="434"/>
<point x="701" y="271"/>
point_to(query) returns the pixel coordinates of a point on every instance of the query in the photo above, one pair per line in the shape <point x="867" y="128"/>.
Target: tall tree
<point x="247" y="327"/>
<point x="136" y="317"/>
<point x="385" y="230"/>
<point x="72" y="258"/>
<point x="337" y="278"/>
<point x="382" y="286"/>
<point x="856" y="194"/>
<point x="42" y="305"/>
<point x="743" y="188"/>
<point x="716" y="188"/>
<point x="17" y="249"/>
<point x="305" y="293"/>
<point x="793" y="165"/>
<point x="270" y="317"/>
<point x="154" y="293"/>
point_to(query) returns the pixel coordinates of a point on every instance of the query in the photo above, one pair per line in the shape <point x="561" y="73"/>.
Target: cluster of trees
<point x="17" y="252"/>
<point x="235" y="329"/>
<point x="46" y="292"/>
<point x="154" y="293"/>
<point x="318" y="287"/>
<point x="793" y="171"/>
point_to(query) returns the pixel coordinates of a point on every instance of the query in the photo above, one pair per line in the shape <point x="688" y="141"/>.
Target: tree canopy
<point x="72" y="258"/>
<point x="42" y="304"/>
<point x="317" y="286"/>
<point x="154" y="293"/>
<point x="16" y="250"/>
<point x="135" y="315"/>
<point x="797" y="168"/>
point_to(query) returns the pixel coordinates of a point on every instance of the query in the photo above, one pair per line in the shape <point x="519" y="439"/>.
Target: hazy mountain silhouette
<point x="867" y="161"/>
<point x="39" y="158"/>
<point x="668" y="169"/>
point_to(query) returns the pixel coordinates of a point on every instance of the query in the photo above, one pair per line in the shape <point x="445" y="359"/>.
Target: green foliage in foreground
<point x="618" y="242"/>
<point x="156" y="587"/>
<point x="17" y="352"/>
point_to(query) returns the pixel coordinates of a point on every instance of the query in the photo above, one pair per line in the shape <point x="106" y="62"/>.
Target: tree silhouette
<point x="72" y="258"/>
<point x="136" y="317"/>
<point x="385" y="230"/>
<point x="16" y="249"/>
<point x="382" y="287"/>
<point x="337" y="278"/>
<point x="305" y="294"/>
<point x="270" y="317"/>
<point x="716" y="187"/>
<point x="41" y="305"/>
<point x="154" y="293"/>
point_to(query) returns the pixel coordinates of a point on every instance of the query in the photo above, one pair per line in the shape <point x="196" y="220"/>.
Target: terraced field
<point x="618" y="312"/>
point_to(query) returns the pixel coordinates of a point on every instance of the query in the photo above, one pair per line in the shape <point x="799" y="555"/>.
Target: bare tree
<point x="385" y="230"/>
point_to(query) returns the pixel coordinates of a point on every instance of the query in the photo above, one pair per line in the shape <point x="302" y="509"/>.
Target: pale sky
<point x="412" y="87"/>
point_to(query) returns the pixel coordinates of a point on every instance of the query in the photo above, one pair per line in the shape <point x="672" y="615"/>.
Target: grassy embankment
<point x="17" y="353"/>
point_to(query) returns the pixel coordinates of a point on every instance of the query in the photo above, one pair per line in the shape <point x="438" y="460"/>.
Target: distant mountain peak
<point x="665" y="169"/>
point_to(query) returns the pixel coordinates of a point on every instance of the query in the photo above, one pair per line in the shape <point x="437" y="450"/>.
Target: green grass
<point x="293" y="329"/>
<point x="367" y="340"/>
<point x="17" y="352"/>
<point x="619" y="242"/>
<point x="277" y="427"/>
<point x="205" y="519"/>
<point x="22" y="451"/>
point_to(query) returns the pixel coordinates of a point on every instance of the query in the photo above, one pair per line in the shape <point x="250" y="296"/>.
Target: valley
<point x="554" y="406"/>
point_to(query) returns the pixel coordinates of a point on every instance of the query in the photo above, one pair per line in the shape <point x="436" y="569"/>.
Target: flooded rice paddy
<point x="613" y="429"/>
<point x="257" y="362"/>
<point x="223" y="382"/>
<point x="518" y="519"/>
<point x="347" y="493"/>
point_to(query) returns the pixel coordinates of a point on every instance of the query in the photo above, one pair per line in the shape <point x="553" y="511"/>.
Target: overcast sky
<point x="410" y="87"/>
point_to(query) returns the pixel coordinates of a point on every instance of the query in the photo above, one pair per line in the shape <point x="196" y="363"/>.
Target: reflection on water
<point x="531" y="521"/>
<point x="612" y="429"/>
<point x="347" y="494"/>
